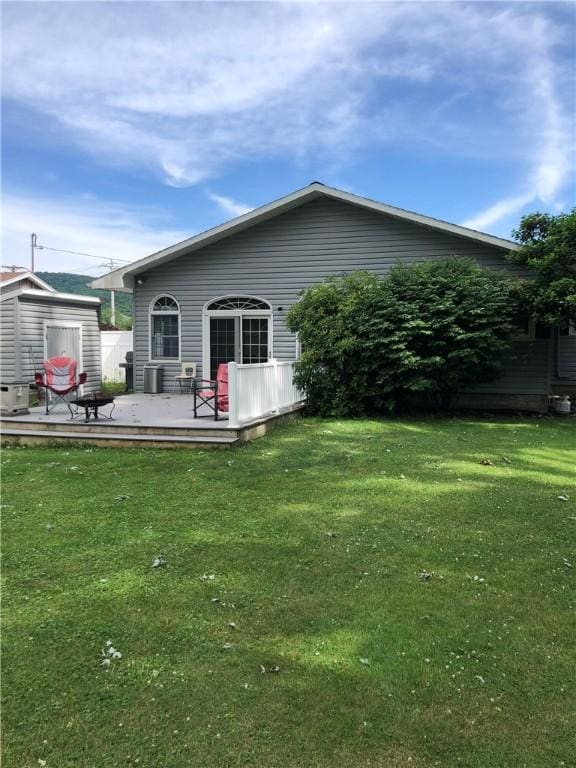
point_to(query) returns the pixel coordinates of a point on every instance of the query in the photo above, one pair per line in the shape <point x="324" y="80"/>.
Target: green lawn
<point x="300" y="551"/>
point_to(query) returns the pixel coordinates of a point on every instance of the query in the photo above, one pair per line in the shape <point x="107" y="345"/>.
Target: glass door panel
<point x="222" y="342"/>
<point x="254" y="340"/>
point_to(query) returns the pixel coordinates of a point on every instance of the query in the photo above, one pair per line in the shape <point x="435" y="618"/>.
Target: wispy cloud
<point x="195" y="88"/>
<point x="508" y="206"/>
<point x="229" y="206"/>
<point x="550" y="150"/>
<point x="86" y="225"/>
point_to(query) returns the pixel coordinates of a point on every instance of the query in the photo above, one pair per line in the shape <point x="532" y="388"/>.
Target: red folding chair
<point x="215" y="395"/>
<point x="59" y="378"/>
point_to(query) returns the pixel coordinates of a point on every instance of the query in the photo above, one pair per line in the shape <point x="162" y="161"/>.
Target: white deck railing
<point x="260" y="390"/>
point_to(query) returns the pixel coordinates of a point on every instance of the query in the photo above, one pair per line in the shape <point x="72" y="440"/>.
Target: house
<point x="37" y="322"/>
<point x="223" y="295"/>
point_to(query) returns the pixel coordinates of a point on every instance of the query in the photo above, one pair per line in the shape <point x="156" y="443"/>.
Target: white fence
<point x="260" y="390"/>
<point x="115" y="344"/>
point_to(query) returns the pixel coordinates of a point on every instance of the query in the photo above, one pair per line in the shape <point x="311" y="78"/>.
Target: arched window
<point x="164" y="328"/>
<point x="246" y="303"/>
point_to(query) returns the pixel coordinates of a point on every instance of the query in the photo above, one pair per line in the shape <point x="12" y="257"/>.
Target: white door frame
<point x="65" y="324"/>
<point x="207" y="314"/>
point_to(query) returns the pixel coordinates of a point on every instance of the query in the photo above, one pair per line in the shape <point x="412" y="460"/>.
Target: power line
<point x="79" y="253"/>
<point x="109" y="263"/>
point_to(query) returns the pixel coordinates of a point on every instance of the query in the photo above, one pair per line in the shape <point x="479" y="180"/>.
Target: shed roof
<point x="123" y="278"/>
<point x="9" y="278"/>
<point x="51" y="296"/>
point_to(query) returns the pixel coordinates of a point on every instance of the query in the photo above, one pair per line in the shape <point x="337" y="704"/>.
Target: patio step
<point x="109" y="439"/>
<point x="21" y="424"/>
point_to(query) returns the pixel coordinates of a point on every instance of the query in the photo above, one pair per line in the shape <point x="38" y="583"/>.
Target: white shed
<point x="37" y="322"/>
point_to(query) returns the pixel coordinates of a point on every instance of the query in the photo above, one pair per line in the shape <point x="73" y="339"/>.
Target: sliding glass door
<point x="240" y="339"/>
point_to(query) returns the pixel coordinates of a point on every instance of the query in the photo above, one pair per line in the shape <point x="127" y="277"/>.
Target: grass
<point x="312" y="541"/>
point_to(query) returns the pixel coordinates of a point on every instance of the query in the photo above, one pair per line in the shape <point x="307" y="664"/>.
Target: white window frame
<point x="151" y="314"/>
<point x="207" y="314"/>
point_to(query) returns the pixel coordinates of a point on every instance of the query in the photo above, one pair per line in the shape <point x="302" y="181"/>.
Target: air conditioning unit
<point x="14" y="398"/>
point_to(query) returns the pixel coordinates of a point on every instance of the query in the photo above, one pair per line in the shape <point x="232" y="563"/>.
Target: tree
<point x="370" y="344"/>
<point x="122" y="322"/>
<point x="548" y="251"/>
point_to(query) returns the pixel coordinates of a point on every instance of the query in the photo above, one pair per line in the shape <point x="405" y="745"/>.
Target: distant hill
<point x="65" y="282"/>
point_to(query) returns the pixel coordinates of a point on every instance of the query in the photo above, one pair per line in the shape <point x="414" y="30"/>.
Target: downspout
<point x="555" y="350"/>
<point x="18" y="351"/>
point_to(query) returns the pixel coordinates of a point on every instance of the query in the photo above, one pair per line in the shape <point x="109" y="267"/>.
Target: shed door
<point x="64" y="340"/>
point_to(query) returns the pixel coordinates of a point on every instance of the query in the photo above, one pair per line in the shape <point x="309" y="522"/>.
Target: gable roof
<point x="52" y="296"/>
<point x="8" y="278"/>
<point x="123" y="278"/>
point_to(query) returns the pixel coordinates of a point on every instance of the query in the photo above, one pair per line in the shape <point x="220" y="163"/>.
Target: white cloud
<point x="85" y="225"/>
<point x="488" y="218"/>
<point x="188" y="89"/>
<point x="193" y="85"/>
<point x="230" y="206"/>
<point x="550" y="166"/>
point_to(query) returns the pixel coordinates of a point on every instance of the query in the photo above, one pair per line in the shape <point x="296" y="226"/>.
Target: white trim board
<point x="123" y="278"/>
<point x="65" y="324"/>
<point x="164" y="360"/>
<point x="19" y="276"/>
<point x="52" y="296"/>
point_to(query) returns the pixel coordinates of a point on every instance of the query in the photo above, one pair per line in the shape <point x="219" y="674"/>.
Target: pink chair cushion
<point x="60" y="373"/>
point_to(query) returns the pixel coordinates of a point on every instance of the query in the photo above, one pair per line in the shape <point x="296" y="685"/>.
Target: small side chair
<point x="183" y="382"/>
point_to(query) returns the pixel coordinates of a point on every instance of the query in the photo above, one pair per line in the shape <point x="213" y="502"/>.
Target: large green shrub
<point x="369" y="344"/>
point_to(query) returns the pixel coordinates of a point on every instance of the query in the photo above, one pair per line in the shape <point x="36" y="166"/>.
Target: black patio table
<point x="91" y="406"/>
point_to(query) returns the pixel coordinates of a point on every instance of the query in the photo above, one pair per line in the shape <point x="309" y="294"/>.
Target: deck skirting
<point x="27" y="430"/>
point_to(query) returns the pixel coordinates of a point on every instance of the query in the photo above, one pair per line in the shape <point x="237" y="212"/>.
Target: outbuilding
<point x="38" y="322"/>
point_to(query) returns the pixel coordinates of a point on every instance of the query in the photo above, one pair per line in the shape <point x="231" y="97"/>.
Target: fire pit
<point x="91" y="405"/>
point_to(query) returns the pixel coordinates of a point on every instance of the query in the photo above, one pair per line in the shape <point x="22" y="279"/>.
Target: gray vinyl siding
<point x="7" y="336"/>
<point x="567" y="358"/>
<point x="526" y="370"/>
<point x="278" y="258"/>
<point x="33" y="313"/>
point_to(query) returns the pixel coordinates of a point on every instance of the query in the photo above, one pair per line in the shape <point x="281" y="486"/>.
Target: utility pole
<point x="110" y="263"/>
<point x="33" y="240"/>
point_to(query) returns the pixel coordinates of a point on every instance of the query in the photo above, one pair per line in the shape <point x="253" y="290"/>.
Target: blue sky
<point x="128" y="126"/>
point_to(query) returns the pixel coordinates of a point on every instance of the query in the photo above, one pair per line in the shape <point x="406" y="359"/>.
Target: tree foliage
<point x="432" y="329"/>
<point x="121" y="322"/>
<point x="548" y="251"/>
<point x="66" y="282"/>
